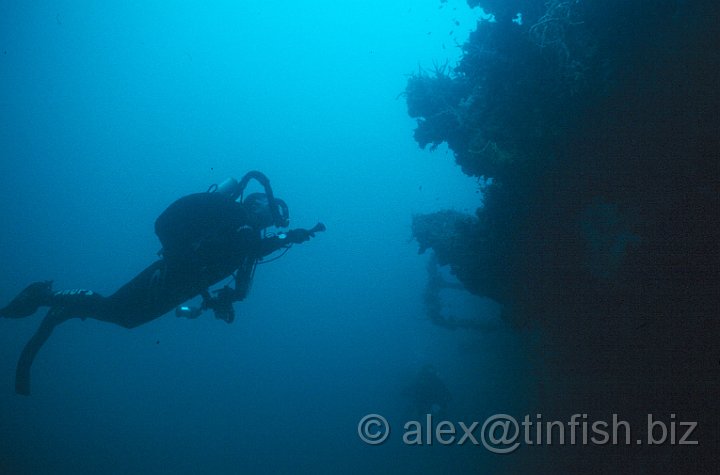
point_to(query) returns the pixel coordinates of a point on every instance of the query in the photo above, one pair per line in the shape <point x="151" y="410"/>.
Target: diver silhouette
<point x="427" y="393"/>
<point x="206" y="238"/>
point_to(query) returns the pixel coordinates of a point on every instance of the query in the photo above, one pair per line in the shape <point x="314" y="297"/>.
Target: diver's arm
<point x="272" y="244"/>
<point x="221" y="303"/>
<point x="285" y="240"/>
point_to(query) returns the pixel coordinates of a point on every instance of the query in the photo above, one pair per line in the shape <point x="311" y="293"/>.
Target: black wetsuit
<point x="205" y="239"/>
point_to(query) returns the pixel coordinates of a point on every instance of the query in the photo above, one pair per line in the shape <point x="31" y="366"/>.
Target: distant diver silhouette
<point x="428" y="393"/>
<point x="206" y="237"/>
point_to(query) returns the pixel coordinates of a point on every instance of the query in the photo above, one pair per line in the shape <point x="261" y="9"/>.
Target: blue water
<point x="109" y="112"/>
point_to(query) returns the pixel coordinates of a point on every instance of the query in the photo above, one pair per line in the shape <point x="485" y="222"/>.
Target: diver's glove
<point x="299" y="236"/>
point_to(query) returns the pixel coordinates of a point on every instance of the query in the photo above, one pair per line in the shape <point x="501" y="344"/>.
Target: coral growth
<point x="598" y="122"/>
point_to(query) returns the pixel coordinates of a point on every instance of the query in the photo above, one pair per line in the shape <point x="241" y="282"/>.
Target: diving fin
<point x="26" y="303"/>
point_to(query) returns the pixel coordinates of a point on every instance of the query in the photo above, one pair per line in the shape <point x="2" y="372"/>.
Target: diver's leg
<point x="152" y="293"/>
<point x="54" y="317"/>
<point x="27" y="302"/>
<point x="66" y="304"/>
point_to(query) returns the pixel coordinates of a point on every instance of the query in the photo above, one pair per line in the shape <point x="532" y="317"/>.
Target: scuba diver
<point x="427" y="393"/>
<point x="206" y="238"/>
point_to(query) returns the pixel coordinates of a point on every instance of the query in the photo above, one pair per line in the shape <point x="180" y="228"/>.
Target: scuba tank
<point x="228" y="187"/>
